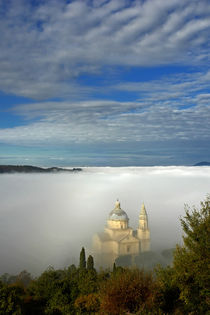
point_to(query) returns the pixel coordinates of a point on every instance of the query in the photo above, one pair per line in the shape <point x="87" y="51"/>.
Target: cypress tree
<point x="90" y="263"/>
<point x="82" y="261"/>
<point x="114" y="268"/>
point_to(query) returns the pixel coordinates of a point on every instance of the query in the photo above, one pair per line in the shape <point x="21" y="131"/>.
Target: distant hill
<point x="202" y="164"/>
<point x="34" y="169"/>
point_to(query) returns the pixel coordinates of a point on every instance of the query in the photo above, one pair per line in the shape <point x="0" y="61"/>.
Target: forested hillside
<point x="7" y="169"/>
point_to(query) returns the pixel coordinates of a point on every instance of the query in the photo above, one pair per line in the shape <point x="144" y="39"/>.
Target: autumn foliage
<point x="127" y="291"/>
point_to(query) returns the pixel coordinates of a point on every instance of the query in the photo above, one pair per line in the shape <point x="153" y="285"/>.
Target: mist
<point x="45" y="219"/>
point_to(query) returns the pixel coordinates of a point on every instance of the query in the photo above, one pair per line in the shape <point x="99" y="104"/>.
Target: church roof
<point x="117" y="214"/>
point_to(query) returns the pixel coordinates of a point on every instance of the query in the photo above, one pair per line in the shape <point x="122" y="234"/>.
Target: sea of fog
<point x="45" y="219"/>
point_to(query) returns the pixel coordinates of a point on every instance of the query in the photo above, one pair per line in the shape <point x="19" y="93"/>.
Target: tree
<point x="11" y="299"/>
<point x="128" y="291"/>
<point x="8" y="279"/>
<point x="88" y="282"/>
<point x="87" y="304"/>
<point x="192" y="260"/>
<point x="114" y="267"/>
<point x="90" y="263"/>
<point x="24" y="278"/>
<point x="55" y="291"/>
<point x="167" y="299"/>
<point x="82" y="261"/>
<point x="45" y="287"/>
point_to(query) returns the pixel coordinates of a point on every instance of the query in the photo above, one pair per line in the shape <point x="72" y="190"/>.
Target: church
<point x="119" y="239"/>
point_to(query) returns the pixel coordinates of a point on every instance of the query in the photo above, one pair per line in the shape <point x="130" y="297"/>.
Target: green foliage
<point x="192" y="261"/>
<point x="56" y="290"/>
<point x="90" y="263"/>
<point x="45" y="286"/>
<point x="59" y="303"/>
<point x="11" y="299"/>
<point x="87" y="281"/>
<point x="167" y="298"/>
<point x="82" y="260"/>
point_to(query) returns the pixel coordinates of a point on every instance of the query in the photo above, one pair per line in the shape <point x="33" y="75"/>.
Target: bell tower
<point x="143" y="231"/>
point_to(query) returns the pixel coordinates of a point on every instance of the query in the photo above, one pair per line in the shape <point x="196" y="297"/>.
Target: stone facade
<point x="119" y="239"/>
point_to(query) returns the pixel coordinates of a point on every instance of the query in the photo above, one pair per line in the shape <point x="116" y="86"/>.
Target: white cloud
<point x="171" y="108"/>
<point x="44" y="48"/>
<point x="106" y="121"/>
<point x="177" y="91"/>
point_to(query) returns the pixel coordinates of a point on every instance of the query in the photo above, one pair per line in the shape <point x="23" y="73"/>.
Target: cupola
<point x="118" y="218"/>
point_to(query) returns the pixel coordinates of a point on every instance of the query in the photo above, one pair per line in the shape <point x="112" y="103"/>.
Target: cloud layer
<point x="171" y="108"/>
<point x="46" y="219"/>
<point x="46" y="46"/>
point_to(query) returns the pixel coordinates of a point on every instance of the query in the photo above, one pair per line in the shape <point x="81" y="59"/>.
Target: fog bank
<point x="45" y="219"/>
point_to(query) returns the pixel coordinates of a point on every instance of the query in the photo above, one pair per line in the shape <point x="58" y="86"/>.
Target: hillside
<point x="5" y="169"/>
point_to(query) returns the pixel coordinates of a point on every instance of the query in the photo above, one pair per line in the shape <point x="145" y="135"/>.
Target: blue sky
<point x="104" y="82"/>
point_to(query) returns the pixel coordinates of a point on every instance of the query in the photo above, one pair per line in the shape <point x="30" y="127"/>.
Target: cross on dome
<point x="117" y="204"/>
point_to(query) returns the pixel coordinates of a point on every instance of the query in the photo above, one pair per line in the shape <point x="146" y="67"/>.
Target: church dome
<point x="117" y="214"/>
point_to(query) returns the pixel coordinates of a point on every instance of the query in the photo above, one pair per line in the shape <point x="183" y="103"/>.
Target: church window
<point x="128" y="249"/>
